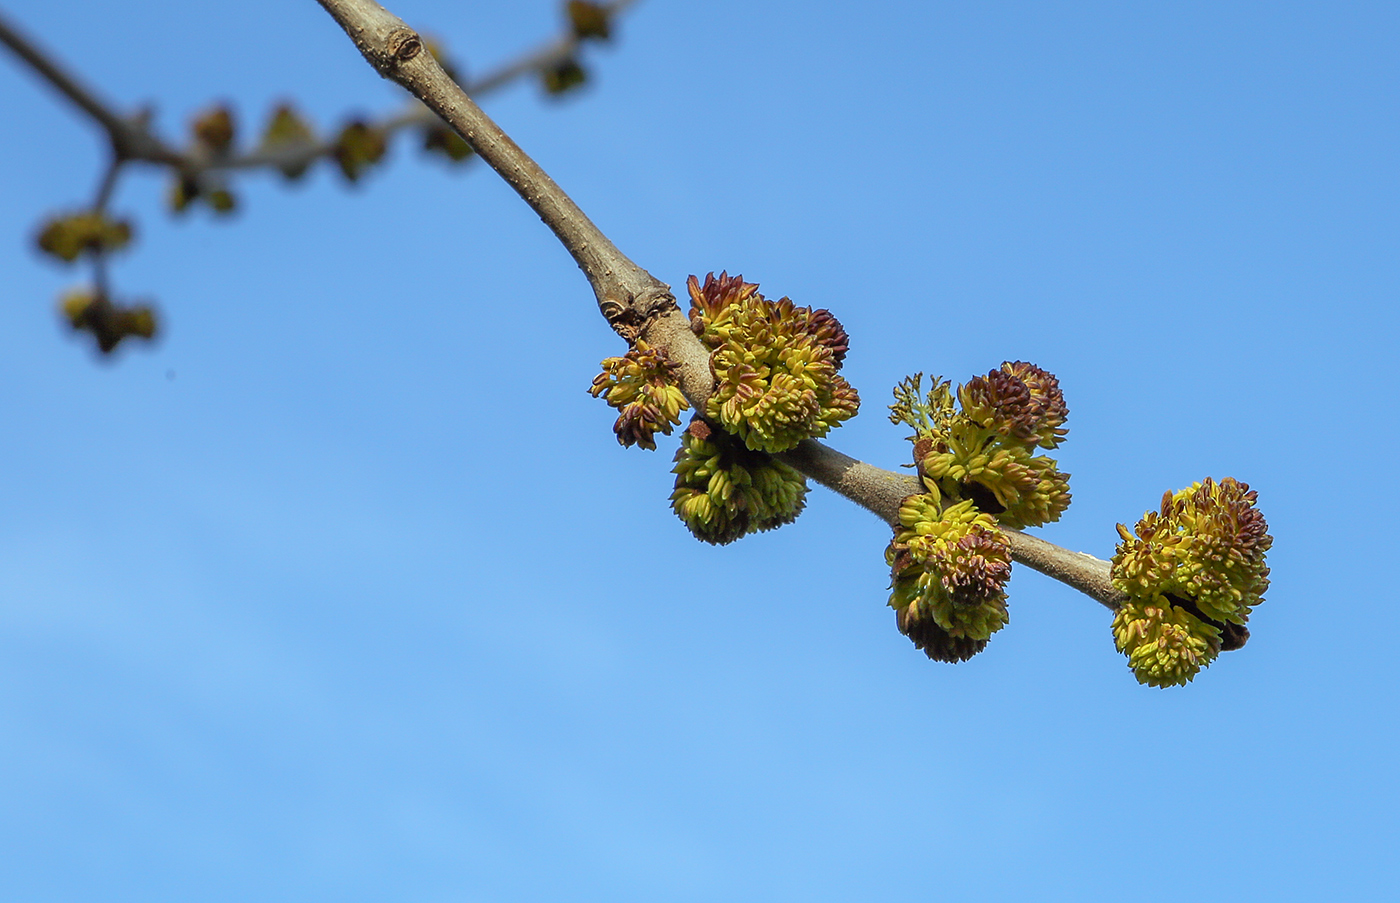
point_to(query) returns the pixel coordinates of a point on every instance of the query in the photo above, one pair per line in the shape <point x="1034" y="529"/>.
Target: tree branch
<point x="627" y="294"/>
<point x="635" y="302"/>
<point x="199" y="169"/>
<point x="881" y="492"/>
<point x="550" y="55"/>
<point x="130" y="138"/>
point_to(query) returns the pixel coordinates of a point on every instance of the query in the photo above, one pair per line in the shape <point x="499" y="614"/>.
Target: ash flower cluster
<point x="642" y="386"/>
<point x="109" y="323"/>
<point x="976" y="449"/>
<point x="1193" y="571"/>
<point x="69" y="236"/>
<point x="775" y="364"/>
<point x="1166" y="645"/>
<point x="725" y="491"/>
<point x="981" y="441"/>
<point x="949" y="569"/>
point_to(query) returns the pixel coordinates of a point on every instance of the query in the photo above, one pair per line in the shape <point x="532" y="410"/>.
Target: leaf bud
<point x="213" y="131"/>
<point x="563" y="76"/>
<point x="69" y="236"/>
<point x="87" y="310"/>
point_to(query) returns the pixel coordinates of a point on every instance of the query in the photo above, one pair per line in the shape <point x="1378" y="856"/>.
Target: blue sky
<point x="344" y="590"/>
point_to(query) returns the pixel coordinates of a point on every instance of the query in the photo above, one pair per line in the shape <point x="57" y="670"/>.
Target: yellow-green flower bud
<point x="712" y="305"/>
<point x="979" y="443"/>
<point x="1166" y="645"/>
<point x="1193" y="571"/>
<point x="358" y="147"/>
<point x="949" y="566"/>
<point x="563" y="76"/>
<point x="67" y="237"/>
<point x="90" y="311"/>
<point x="1008" y="480"/>
<point x="724" y="490"/>
<point x="213" y="130"/>
<point x="183" y="191"/>
<point x="287" y="133"/>
<point x="1020" y="401"/>
<point x="642" y="386"/>
<point x="187" y="189"/>
<point x="1206" y="545"/>
<point x="588" y="20"/>
<point x="775" y="364"/>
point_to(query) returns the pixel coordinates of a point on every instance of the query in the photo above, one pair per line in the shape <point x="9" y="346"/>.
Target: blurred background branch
<point x="202" y="168"/>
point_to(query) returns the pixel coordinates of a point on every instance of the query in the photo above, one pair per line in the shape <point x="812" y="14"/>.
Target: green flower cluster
<point x="90" y="311"/>
<point x="725" y="491"/>
<point x="213" y="131"/>
<point x="949" y="570"/>
<point x="1193" y="572"/>
<point x="67" y="237"/>
<point x="1166" y="645"/>
<point x="642" y="386"/>
<point x="980" y="442"/>
<point x="213" y="136"/>
<point x="288" y="133"/>
<point x="775" y="364"/>
<point x="358" y="147"/>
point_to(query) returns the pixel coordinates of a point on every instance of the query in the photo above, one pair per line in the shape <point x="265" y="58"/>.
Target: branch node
<point x="404" y="44"/>
<point x="631" y="319"/>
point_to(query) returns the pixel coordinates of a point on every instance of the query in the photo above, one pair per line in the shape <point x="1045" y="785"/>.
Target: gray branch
<point x="635" y="302"/>
<point x="881" y="492"/>
<point x="397" y="52"/>
<point x="131" y="139"/>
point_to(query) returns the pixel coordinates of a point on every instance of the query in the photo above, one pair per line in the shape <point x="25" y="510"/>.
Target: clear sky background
<point x="345" y="591"/>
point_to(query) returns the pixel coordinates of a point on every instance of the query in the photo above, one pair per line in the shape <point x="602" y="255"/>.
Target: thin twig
<point x="551" y="55"/>
<point x="67" y="84"/>
<point x="635" y="302"/>
<point x="881" y="492"/>
<point x="397" y="52"/>
<point x="130" y="139"/>
<point x="107" y="185"/>
<point x="416" y="115"/>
